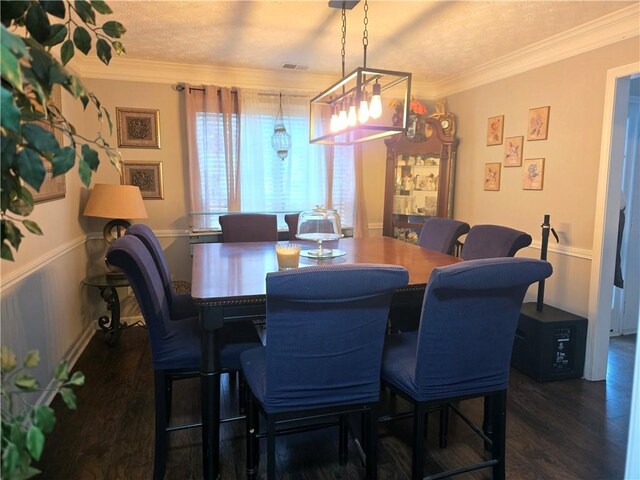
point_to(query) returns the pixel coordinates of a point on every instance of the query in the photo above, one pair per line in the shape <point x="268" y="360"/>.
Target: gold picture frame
<point x="513" y="151"/>
<point x="492" y="177"/>
<point x="138" y="127"/>
<point x="495" y="129"/>
<point x="538" y="123"/>
<point x="52" y="188"/>
<point x="533" y="176"/>
<point x="145" y="175"/>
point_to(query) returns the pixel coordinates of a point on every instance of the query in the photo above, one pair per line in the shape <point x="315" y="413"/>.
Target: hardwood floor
<point x="570" y="429"/>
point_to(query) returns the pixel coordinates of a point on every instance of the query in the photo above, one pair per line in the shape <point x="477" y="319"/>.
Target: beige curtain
<point x="361" y="222"/>
<point x="205" y="133"/>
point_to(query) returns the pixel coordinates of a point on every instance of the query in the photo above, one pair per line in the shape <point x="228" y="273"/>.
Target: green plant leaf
<point x="18" y="434"/>
<point x="66" y="51"/>
<point x="10" y="66"/>
<point x="26" y="382"/>
<point x="35" y="442"/>
<point x="119" y="48"/>
<point x="114" y="29"/>
<point x="12" y="10"/>
<point x="5" y="251"/>
<point x="11" y="233"/>
<point x="32" y="227"/>
<point x="108" y="115"/>
<point x="31" y="168"/>
<point x="90" y="156"/>
<point x="55" y="8"/>
<point x="85" y="173"/>
<point x="32" y="359"/>
<point x="103" y="50"/>
<point x="61" y="372"/>
<point x="85" y="11"/>
<point x="10" y="117"/>
<point x="10" y="456"/>
<point x="77" y="379"/>
<point x="57" y="35"/>
<point x="7" y="359"/>
<point x="8" y="150"/>
<point x="69" y="397"/>
<point x="58" y="74"/>
<point x="37" y="22"/>
<point x="23" y="204"/>
<point x="40" y="64"/>
<point x="82" y="40"/>
<point x="45" y="418"/>
<point x="12" y="41"/>
<point x="63" y="161"/>
<point x="101" y="7"/>
<point x="40" y="139"/>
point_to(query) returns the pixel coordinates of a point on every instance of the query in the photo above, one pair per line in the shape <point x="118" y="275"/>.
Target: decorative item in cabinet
<point x="419" y="179"/>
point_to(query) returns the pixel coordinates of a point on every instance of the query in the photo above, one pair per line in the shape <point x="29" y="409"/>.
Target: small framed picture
<point x="145" y="175"/>
<point x="533" y="176"/>
<point x="138" y="128"/>
<point x="492" y="176"/>
<point x="495" y="126"/>
<point x="513" y="151"/>
<point x="538" y="124"/>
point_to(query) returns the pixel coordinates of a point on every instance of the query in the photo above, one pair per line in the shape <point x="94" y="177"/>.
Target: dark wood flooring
<point x="570" y="429"/>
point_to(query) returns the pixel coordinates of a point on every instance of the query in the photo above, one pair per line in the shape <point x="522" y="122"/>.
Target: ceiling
<point x="433" y="39"/>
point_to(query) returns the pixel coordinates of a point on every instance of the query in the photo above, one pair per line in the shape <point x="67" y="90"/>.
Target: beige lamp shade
<point x="115" y="201"/>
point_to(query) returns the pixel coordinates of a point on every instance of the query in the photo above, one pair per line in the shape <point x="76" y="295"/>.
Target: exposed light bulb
<point x="342" y="119"/>
<point x="363" y="112"/>
<point x="334" y="124"/>
<point x="352" y="117"/>
<point x="375" y="108"/>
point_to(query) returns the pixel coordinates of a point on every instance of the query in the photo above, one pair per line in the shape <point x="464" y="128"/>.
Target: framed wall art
<point x="145" y="175"/>
<point x="513" y="151"/>
<point x="52" y="188"/>
<point x="533" y="177"/>
<point x="492" y="176"/>
<point x="138" y="128"/>
<point x="538" y="124"/>
<point x="495" y="126"/>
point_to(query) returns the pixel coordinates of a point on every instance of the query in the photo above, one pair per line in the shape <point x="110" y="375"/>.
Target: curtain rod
<point x="180" y="87"/>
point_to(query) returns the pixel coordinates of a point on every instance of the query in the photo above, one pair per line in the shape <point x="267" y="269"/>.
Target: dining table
<point x="228" y="284"/>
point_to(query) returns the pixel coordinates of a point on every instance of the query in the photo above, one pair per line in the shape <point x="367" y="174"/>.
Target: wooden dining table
<point x="228" y="284"/>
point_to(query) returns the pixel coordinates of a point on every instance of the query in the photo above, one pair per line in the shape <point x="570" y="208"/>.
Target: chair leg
<point x="343" y="440"/>
<point x="168" y="390"/>
<point x="487" y="422"/>
<point x="417" y="460"/>
<point x="370" y="421"/>
<point x="444" y="425"/>
<point x="160" y="447"/>
<point x="271" y="448"/>
<point x="251" y="431"/>
<point x="242" y="394"/>
<point x="499" y="417"/>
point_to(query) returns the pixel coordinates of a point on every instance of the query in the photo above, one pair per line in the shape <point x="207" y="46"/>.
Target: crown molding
<point x="608" y="29"/>
<point x="614" y="27"/>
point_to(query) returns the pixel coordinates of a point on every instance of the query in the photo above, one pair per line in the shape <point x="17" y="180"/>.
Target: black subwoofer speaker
<point x="549" y="345"/>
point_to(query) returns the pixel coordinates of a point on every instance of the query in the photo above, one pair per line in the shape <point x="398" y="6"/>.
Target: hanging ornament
<point x="280" y="140"/>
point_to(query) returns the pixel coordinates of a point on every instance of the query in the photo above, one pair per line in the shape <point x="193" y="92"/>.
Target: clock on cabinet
<point x="419" y="178"/>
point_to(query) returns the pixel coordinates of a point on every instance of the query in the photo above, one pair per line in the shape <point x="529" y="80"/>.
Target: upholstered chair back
<point x="493" y="241"/>
<point x="249" y="227"/>
<point x="441" y="234"/>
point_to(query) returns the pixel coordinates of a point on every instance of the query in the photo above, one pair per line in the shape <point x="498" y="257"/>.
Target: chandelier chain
<point x="365" y="33"/>
<point x="344" y="37"/>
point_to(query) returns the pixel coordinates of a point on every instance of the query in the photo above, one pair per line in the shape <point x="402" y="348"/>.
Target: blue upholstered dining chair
<point x="462" y="348"/>
<point x="325" y="334"/>
<point x="441" y="234"/>
<point x="175" y="345"/>
<point x="249" y="227"/>
<point x="493" y="241"/>
<point x="291" y="219"/>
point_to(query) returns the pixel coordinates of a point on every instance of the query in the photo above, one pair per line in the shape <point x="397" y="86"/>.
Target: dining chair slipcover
<point x="463" y="346"/>
<point x="441" y="234"/>
<point x="493" y="241"/>
<point x="325" y="331"/>
<point x="249" y="227"/>
<point x="175" y="345"/>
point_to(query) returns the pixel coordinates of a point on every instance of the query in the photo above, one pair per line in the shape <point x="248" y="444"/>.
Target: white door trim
<point x="606" y="220"/>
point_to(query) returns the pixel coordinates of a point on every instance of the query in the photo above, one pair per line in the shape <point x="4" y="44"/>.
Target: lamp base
<point x="114" y="229"/>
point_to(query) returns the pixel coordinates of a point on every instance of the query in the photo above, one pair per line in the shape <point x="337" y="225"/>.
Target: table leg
<point x="111" y="325"/>
<point x="210" y="391"/>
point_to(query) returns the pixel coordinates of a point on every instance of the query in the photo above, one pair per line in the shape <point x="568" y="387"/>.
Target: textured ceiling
<point x="434" y="39"/>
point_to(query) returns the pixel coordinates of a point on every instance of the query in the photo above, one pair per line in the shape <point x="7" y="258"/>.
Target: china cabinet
<point x="419" y="178"/>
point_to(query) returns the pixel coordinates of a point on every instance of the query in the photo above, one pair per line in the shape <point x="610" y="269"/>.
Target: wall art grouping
<point x="537" y="129"/>
<point x="138" y="127"/>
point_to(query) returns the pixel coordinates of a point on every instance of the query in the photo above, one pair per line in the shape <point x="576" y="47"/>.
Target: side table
<point x="108" y="285"/>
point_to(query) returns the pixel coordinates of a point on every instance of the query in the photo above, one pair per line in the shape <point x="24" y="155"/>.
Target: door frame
<point x="606" y="219"/>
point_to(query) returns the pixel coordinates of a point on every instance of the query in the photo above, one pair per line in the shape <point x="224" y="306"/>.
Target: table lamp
<point x="116" y="202"/>
<point x="320" y="225"/>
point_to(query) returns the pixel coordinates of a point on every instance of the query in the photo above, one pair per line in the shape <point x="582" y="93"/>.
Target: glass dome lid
<point x="320" y="225"/>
